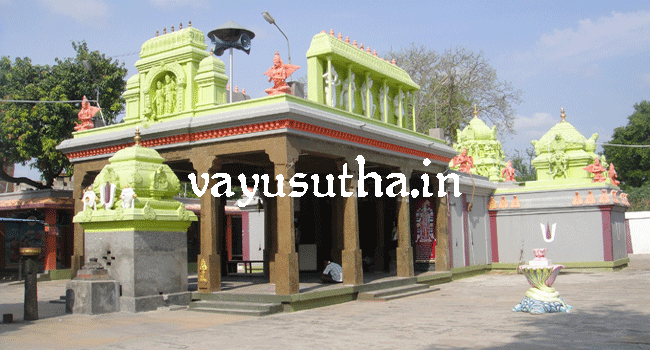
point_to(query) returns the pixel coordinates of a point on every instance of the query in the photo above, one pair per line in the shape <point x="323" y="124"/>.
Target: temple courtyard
<point x="610" y="311"/>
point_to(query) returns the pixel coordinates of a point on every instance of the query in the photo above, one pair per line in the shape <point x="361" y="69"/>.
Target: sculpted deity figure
<point x="597" y="169"/>
<point x="86" y="115"/>
<point x="158" y="107"/>
<point x="425" y="232"/>
<point x="613" y="175"/>
<point x="466" y="162"/>
<point x="278" y="74"/>
<point x="170" y="94"/>
<point x="508" y="172"/>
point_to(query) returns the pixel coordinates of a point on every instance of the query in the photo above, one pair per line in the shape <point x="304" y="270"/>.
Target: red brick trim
<point x="493" y="234"/>
<point x="259" y="127"/>
<point x="466" y="228"/>
<point x="608" y="252"/>
<point x="449" y="232"/>
<point x="628" y="237"/>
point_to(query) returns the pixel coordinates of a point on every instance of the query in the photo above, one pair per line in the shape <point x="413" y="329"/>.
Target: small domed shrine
<point x="566" y="207"/>
<point x="562" y="153"/>
<point x="482" y="145"/>
<point x="137" y="230"/>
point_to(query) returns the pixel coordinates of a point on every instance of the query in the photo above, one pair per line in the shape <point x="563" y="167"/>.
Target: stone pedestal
<point x="151" y="266"/>
<point x="541" y="297"/>
<point x="93" y="291"/>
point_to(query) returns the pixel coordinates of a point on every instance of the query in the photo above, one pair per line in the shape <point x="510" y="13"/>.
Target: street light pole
<point x="267" y="16"/>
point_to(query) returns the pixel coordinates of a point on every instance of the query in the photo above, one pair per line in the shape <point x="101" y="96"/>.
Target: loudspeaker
<point x="243" y="43"/>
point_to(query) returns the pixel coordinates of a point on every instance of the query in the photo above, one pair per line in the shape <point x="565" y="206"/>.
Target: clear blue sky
<point x="591" y="57"/>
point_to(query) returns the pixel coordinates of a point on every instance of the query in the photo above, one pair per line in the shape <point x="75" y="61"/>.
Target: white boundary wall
<point x="639" y="231"/>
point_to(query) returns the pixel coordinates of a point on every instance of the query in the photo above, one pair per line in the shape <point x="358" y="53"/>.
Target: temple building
<point x="339" y="176"/>
<point x="351" y="131"/>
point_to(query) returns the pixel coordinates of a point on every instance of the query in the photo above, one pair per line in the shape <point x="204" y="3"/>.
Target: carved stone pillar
<point x="337" y="234"/>
<point x="404" y="248"/>
<point x="380" y="248"/>
<point x="442" y="234"/>
<point x="50" y="239"/>
<point x="77" y="259"/>
<point x="208" y="261"/>
<point x="270" y="241"/>
<point x="351" y="255"/>
<point x="285" y="267"/>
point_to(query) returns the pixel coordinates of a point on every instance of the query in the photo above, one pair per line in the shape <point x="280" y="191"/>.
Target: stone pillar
<point x="286" y="258"/>
<point x="442" y="235"/>
<point x="337" y="234"/>
<point x="208" y="261"/>
<point x="30" y="255"/>
<point x="404" y="248"/>
<point x="50" y="239"/>
<point x="270" y="241"/>
<point x="222" y="249"/>
<point x="77" y="259"/>
<point x="285" y="270"/>
<point x="351" y="255"/>
<point x="380" y="248"/>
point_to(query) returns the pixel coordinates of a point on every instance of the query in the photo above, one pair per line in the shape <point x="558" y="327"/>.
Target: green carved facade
<point x="561" y="155"/>
<point x="154" y="184"/>
<point x="346" y="77"/>
<point x="482" y="145"/>
<point x="177" y="78"/>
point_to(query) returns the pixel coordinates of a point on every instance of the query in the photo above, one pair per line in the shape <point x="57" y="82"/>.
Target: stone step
<point x="404" y="295"/>
<point x="62" y="300"/>
<point x="235" y="308"/>
<point x="396" y="292"/>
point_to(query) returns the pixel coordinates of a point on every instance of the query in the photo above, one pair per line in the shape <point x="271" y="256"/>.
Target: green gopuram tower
<point x="482" y="145"/>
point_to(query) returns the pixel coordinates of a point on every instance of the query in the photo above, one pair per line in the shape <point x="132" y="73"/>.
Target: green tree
<point x="632" y="163"/>
<point x="451" y="84"/>
<point x="639" y="197"/>
<point x="31" y="131"/>
<point x="524" y="170"/>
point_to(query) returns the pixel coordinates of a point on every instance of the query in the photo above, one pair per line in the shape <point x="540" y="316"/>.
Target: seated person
<point x="333" y="273"/>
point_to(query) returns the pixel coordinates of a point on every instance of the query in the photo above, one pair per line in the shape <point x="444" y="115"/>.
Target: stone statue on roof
<point x="86" y="115"/>
<point x="278" y="74"/>
<point x="466" y="162"/>
<point x="597" y="169"/>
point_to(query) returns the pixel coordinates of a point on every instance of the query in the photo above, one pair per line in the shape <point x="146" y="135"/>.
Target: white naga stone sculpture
<point x="89" y="199"/>
<point x="128" y="197"/>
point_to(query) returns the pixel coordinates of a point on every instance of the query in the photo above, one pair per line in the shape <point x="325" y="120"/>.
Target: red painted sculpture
<point x="86" y="115"/>
<point x="613" y="175"/>
<point x="597" y="169"/>
<point x="279" y="74"/>
<point x="466" y="162"/>
<point x="508" y="172"/>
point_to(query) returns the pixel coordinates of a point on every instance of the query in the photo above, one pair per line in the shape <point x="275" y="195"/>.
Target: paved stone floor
<point x="611" y="311"/>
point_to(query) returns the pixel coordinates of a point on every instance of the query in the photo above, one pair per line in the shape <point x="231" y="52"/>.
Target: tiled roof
<point x="35" y="203"/>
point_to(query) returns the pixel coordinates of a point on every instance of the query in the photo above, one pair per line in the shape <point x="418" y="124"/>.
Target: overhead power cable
<point x="618" y="145"/>
<point x="38" y="101"/>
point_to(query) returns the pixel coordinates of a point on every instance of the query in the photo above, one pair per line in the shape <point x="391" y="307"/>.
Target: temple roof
<point x="37" y="203"/>
<point x="477" y="130"/>
<point x="566" y="132"/>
